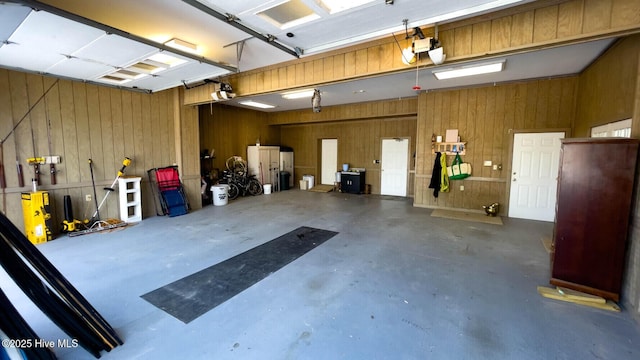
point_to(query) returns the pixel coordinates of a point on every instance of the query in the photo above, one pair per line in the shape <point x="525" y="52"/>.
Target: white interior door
<point x="534" y="175"/>
<point x="329" y="160"/>
<point x="394" y="167"/>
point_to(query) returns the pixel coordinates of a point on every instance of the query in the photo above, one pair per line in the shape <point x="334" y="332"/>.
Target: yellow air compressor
<point x="37" y="219"/>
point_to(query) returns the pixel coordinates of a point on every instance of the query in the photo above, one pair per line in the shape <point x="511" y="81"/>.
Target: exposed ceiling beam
<point x="231" y="20"/>
<point x="37" y="5"/>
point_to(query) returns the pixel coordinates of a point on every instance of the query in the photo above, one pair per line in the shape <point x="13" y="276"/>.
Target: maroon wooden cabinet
<point x="595" y="187"/>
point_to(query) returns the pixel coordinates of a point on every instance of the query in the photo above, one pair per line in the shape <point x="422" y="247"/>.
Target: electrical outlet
<point x="461" y="187"/>
<point x="87" y="197"/>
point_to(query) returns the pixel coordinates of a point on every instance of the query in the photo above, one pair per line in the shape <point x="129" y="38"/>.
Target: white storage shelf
<point x="130" y="199"/>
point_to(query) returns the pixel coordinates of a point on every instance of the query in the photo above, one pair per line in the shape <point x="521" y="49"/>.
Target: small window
<point x="620" y="128"/>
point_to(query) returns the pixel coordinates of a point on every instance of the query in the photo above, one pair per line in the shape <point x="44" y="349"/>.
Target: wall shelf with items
<point x="449" y="148"/>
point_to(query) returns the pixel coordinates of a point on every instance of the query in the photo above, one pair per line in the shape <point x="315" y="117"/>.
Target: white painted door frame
<point x="534" y="175"/>
<point x="394" y="166"/>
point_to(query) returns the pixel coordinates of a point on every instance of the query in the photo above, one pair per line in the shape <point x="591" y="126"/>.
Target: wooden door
<point x="394" y="167"/>
<point x="329" y="161"/>
<point x="534" y="172"/>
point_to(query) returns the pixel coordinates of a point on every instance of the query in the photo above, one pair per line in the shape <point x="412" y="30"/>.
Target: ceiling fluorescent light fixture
<point x="470" y="70"/>
<point x="335" y="6"/>
<point x="300" y="94"/>
<point x="182" y="45"/>
<point x="257" y="104"/>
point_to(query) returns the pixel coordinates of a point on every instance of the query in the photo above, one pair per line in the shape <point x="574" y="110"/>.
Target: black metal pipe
<point x="269" y="39"/>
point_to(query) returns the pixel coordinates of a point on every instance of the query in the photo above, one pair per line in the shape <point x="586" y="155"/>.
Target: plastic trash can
<point x="284" y="180"/>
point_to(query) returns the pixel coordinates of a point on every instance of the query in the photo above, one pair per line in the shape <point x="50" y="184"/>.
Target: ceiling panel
<point x="29" y="57"/>
<point x="115" y="50"/>
<point x="54" y="34"/>
<point x="79" y="69"/>
<point x="255" y="51"/>
<point x="11" y="16"/>
<point x="173" y="77"/>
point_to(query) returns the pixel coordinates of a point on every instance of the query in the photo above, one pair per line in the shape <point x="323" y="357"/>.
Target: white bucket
<point x="309" y="179"/>
<point x="266" y="189"/>
<point x="220" y="194"/>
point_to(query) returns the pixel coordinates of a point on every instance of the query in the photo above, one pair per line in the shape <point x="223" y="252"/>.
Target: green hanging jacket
<point x="444" y="177"/>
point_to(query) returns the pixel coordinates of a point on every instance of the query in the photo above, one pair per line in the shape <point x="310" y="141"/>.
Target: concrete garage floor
<point x="395" y="283"/>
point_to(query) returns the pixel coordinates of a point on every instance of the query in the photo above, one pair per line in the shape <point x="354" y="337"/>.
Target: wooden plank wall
<point x="359" y="144"/>
<point x="608" y="92"/>
<point x="529" y="26"/>
<point x="86" y="122"/>
<point x="369" y="110"/>
<point x="228" y="130"/>
<point x="487" y="118"/>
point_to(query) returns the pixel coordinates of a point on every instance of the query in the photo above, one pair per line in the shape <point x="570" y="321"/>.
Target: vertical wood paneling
<point x="85" y="121"/>
<point x="128" y="126"/>
<point x="54" y="121"/>
<point x="481" y="38"/>
<point x="19" y="109"/>
<point x="37" y="121"/>
<point x="486" y="118"/>
<point x="448" y="40"/>
<point x="95" y="129"/>
<point x="542" y="106"/>
<point x="484" y="122"/>
<point x="625" y="13"/>
<point x="597" y="15"/>
<point x="570" y="18"/>
<point x="329" y="68"/>
<point x="7" y="123"/>
<point x="501" y="33"/>
<point x="373" y="59"/>
<point x="490" y="128"/>
<point x="229" y="130"/>
<point x="349" y="64"/>
<point x="522" y="28"/>
<point x="361" y="61"/>
<point x="75" y="121"/>
<point x="118" y="124"/>
<point x="520" y="96"/>
<point x="545" y="24"/>
<point x="106" y="132"/>
<point x="607" y="91"/>
<point x="463" y="42"/>
<point x="499" y="141"/>
<point x="359" y="143"/>
<point x="387" y="53"/>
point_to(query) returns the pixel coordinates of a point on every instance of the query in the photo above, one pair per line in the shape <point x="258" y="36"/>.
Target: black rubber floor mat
<point x="190" y="297"/>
